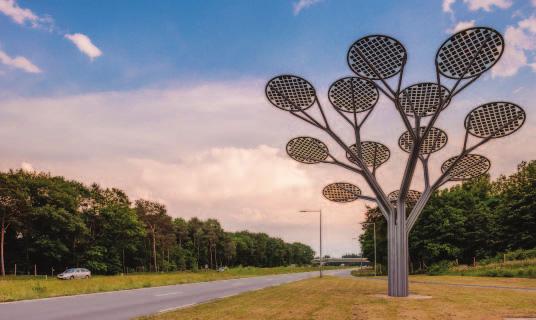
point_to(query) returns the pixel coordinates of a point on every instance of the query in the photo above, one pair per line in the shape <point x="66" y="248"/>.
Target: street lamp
<point x="320" y="215"/>
<point x="374" y="228"/>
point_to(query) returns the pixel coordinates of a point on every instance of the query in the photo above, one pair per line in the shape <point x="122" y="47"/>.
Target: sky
<point x="165" y="99"/>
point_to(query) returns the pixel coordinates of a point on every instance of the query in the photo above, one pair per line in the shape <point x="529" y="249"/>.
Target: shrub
<point x="441" y="267"/>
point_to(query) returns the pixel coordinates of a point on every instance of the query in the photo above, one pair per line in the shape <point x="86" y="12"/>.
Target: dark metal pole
<point x="320" y="235"/>
<point x="374" y="225"/>
<point x="320" y="211"/>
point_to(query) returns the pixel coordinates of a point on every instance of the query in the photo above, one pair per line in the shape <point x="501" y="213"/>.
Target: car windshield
<point x="69" y="271"/>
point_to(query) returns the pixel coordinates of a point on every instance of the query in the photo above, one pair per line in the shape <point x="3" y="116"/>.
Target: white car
<point x="75" y="273"/>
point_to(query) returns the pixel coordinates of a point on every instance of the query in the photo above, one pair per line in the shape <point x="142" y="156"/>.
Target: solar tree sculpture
<point x="376" y="60"/>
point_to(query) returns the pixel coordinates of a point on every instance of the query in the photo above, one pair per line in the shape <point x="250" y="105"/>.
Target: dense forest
<point x="48" y="222"/>
<point x="477" y="219"/>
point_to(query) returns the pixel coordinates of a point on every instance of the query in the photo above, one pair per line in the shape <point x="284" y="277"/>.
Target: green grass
<point x="356" y="298"/>
<point x="518" y="268"/>
<point x="22" y="288"/>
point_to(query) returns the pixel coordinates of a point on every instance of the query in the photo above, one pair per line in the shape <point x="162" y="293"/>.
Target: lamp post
<point x="320" y="216"/>
<point x="374" y="235"/>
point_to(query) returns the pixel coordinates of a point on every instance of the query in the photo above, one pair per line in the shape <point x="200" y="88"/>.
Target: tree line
<point x="50" y="223"/>
<point x="477" y="219"/>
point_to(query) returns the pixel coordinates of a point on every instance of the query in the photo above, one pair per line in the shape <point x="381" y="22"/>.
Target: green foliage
<point x="520" y="254"/>
<point x="478" y="219"/>
<point x="439" y="268"/>
<point x="53" y="223"/>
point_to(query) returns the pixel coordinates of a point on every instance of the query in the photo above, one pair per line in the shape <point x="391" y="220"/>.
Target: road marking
<point x="237" y="284"/>
<point x="167" y="294"/>
<point x="176" y="308"/>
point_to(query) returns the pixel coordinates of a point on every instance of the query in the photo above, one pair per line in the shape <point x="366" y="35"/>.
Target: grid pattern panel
<point x="290" y="93"/>
<point x="435" y="140"/>
<point x="307" y="150"/>
<point x="341" y="192"/>
<point x="455" y="55"/>
<point x="470" y="166"/>
<point x="353" y="94"/>
<point x="383" y="54"/>
<point x="374" y="153"/>
<point x="412" y="197"/>
<point x="497" y="119"/>
<point x="422" y="99"/>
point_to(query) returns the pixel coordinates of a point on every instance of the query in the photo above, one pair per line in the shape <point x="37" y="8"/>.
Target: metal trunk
<point x="398" y="254"/>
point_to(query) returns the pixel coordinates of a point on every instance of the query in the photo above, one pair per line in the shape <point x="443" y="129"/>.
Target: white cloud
<point x="520" y="42"/>
<point x="19" y="62"/>
<point x="84" y="44"/>
<point x="27" y="167"/>
<point x="218" y="150"/>
<point x="487" y="5"/>
<point x="303" y="4"/>
<point x="447" y="5"/>
<point x="23" y="15"/>
<point x="227" y="173"/>
<point x="461" y="26"/>
<point x="20" y="15"/>
<point x="529" y="24"/>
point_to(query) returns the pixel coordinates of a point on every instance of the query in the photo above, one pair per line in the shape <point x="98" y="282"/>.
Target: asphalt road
<point x="127" y="304"/>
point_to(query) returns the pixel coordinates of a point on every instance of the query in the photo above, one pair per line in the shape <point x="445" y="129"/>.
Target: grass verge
<point x="22" y="288"/>
<point x="353" y="298"/>
<point x="519" y="268"/>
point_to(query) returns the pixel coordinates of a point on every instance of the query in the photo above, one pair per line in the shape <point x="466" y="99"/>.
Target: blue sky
<point x="165" y="98"/>
<point x="150" y="43"/>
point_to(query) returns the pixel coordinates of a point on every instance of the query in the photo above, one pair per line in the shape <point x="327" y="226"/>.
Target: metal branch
<point x="466" y="151"/>
<point x="344" y="117"/>
<point x="453" y="90"/>
<point x="367" y="175"/>
<point x="394" y="97"/>
<point x="305" y="119"/>
<point x="357" y="132"/>
<point x="346" y="166"/>
<point x="365" y="117"/>
<point x="371" y="180"/>
<point x="312" y="119"/>
<point x="426" y="172"/>
<point x="417" y="209"/>
<point x="358" y="195"/>
<point x="368" y="198"/>
<point x="321" y="111"/>
<point x="411" y="164"/>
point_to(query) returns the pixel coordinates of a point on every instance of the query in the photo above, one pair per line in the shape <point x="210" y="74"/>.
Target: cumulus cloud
<point x="528" y="24"/>
<point x="23" y="15"/>
<point x="520" y="42"/>
<point x="218" y="150"/>
<point x="447" y="5"/>
<point x="18" y="62"/>
<point x="303" y="4"/>
<point x="487" y="5"/>
<point x="20" y="15"/>
<point x="221" y="174"/>
<point x="27" y="167"/>
<point x="84" y="44"/>
<point x="461" y="26"/>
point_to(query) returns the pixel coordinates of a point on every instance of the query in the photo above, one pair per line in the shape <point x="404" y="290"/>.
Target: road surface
<point x="127" y="304"/>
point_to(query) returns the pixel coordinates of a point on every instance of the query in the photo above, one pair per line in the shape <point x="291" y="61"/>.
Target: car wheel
<point x="87" y="277"/>
<point x="71" y="277"/>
